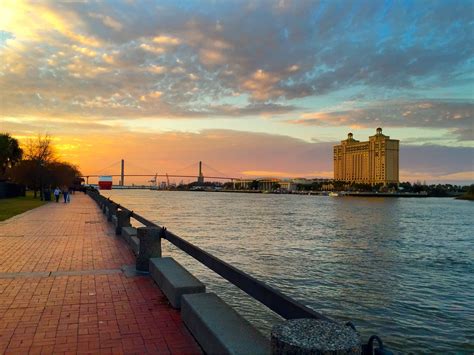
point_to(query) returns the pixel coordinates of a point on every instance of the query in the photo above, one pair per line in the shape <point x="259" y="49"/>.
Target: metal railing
<point x="279" y="303"/>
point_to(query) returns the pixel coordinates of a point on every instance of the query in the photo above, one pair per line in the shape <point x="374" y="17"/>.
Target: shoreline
<point x="304" y="193"/>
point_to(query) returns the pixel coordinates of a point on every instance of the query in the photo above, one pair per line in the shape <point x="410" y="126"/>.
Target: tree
<point x="61" y="174"/>
<point x="31" y="171"/>
<point x="228" y="185"/>
<point x="55" y="173"/>
<point x="406" y="186"/>
<point x="26" y="173"/>
<point x="254" y="185"/>
<point x="40" y="151"/>
<point x="40" y="169"/>
<point x="276" y="186"/>
<point x="339" y="185"/>
<point x="10" y="153"/>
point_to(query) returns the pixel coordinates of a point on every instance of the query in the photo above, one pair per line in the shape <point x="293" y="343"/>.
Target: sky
<point x="251" y="88"/>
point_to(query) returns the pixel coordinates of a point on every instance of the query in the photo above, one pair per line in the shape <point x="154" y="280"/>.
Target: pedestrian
<point x="57" y="192"/>
<point x="65" y="194"/>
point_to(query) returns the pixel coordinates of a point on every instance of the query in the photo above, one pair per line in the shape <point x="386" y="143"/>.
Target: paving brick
<point x="61" y="290"/>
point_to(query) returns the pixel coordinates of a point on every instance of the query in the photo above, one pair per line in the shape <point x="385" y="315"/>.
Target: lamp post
<point x="41" y="164"/>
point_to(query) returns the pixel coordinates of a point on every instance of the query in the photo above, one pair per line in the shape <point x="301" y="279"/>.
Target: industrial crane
<point x="154" y="180"/>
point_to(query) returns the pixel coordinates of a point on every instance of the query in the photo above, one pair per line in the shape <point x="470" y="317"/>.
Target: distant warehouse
<point x="372" y="162"/>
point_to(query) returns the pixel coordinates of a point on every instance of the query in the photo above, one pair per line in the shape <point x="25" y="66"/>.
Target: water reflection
<point x="402" y="268"/>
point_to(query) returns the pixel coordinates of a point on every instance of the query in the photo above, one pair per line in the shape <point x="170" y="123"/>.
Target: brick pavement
<point x="62" y="291"/>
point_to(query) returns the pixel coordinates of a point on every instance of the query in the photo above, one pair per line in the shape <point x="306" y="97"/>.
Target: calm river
<point x="400" y="268"/>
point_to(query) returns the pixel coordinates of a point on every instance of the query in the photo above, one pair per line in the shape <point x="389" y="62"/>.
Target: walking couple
<point x="65" y="192"/>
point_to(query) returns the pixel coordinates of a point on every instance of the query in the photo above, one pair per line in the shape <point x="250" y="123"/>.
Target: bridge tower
<point x="200" y="176"/>
<point x="122" y="173"/>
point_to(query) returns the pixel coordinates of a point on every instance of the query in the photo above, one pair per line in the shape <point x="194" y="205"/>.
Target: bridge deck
<point x="62" y="290"/>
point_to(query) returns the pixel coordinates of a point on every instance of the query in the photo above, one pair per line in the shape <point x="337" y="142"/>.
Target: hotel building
<point x="372" y="162"/>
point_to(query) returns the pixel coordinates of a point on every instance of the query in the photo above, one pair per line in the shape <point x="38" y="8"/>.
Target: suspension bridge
<point x="180" y="174"/>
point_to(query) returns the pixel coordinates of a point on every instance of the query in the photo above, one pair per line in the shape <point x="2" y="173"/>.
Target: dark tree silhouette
<point x="10" y="153"/>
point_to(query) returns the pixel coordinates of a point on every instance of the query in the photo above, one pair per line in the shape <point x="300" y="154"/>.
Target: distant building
<point x="372" y="162"/>
<point x="269" y="184"/>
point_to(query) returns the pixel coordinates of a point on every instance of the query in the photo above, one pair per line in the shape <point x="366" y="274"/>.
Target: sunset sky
<point x="251" y="88"/>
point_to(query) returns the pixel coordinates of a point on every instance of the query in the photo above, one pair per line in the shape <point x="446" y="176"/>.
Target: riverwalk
<point x="62" y="289"/>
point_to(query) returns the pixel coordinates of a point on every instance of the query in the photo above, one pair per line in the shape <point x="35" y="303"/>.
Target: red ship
<point x="105" y="182"/>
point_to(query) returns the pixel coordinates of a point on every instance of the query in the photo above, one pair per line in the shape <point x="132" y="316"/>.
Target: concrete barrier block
<point x="174" y="280"/>
<point x="218" y="328"/>
<point x="128" y="232"/>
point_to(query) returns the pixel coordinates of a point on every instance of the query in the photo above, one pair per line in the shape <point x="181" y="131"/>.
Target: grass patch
<point x="10" y="207"/>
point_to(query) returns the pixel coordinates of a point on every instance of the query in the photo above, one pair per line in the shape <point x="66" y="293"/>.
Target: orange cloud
<point x="17" y="13"/>
<point x="211" y="56"/>
<point x="151" y="96"/>
<point x="151" y="48"/>
<point x="261" y="85"/>
<point x="167" y="40"/>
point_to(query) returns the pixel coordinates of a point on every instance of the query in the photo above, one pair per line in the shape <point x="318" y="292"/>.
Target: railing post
<point x="123" y="220"/>
<point x="314" y="336"/>
<point x="111" y="209"/>
<point x="150" y="246"/>
<point x="103" y="204"/>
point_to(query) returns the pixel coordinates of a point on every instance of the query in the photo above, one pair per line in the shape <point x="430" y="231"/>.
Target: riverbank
<point x="10" y="207"/>
<point x="469" y="197"/>
<point x="338" y="194"/>
<point x="422" y="194"/>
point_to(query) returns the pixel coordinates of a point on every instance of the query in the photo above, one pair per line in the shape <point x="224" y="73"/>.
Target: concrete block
<point x="134" y="244"/>
<point x="218" y="328"/>
<point x="174" y="280"/>
<point x="315" y="336"/>
<point x="128" y="232"/>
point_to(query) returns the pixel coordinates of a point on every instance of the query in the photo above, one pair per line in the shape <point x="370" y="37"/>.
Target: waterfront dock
<point x="62" y="288"/>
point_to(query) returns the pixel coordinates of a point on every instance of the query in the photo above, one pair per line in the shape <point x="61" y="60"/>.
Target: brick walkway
<point x="62" y="291"/>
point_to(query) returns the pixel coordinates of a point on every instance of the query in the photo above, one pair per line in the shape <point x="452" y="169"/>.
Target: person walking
<point x="65" y="194"/>
<point x="57" y="192"/>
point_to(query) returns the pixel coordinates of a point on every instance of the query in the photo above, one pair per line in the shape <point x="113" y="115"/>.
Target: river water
<point x="400" y="268"/>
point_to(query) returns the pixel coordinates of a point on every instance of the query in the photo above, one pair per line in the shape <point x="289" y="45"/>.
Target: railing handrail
<point x="279" y="303"/>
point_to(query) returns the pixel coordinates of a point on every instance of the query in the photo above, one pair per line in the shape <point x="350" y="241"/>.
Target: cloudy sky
<point x="252" y="88"/>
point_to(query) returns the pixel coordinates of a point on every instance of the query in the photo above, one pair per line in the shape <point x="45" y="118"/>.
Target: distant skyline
<point x="252" y="88"/>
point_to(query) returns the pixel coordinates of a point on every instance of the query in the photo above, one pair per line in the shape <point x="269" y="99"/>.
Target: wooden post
<point x="314" y="336"/>
<point x="150" y="246"/>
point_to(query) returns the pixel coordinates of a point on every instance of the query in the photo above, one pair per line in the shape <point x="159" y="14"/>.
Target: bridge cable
<point x="140" y="169"/>
<point x="193" y="165"/>
<point x="100" y="172"/>
<point x="214" y="170"/>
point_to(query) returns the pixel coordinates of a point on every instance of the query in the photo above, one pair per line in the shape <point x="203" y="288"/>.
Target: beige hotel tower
<point x="372" y="162"/>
